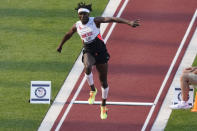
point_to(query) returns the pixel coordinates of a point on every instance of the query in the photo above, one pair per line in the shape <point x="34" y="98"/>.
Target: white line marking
<point x="70" y="105"/>
<point x="62" y="96"/>
<point x="168" y="73"/>
<point x="110" y="11"/>
<point x="117" y="103"/>
<point x="188" y="58"/>
<point x="114" y="24"/>
<point x="78" y="90"/>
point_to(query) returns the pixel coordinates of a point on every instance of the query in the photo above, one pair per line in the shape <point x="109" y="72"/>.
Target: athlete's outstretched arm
<point x="67" y="36"/>
<point x="99" y="20"/>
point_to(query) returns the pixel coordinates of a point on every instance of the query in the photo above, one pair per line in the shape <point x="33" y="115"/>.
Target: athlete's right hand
<point x="59" y="49"/>
<point x="135" y="23"/>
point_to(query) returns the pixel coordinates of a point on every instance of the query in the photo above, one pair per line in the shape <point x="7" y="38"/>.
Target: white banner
<point x="40" y="92"/>
<point x="178" y="97"/>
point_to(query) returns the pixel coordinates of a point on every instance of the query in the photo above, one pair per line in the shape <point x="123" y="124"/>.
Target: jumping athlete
<point x="94" y="49"/>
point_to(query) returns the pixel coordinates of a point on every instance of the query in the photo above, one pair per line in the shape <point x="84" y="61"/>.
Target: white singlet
<point x="89" y="31"/>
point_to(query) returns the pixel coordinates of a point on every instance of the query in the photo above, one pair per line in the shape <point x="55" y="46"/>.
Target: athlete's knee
<point x="88" y="68"/>
<point x="184" y="77"/>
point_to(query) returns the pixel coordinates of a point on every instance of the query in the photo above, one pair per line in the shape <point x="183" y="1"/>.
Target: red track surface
<point x="140" y="59"/>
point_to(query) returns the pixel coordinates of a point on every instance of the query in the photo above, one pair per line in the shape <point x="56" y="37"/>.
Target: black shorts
<point x="98" y="50"/>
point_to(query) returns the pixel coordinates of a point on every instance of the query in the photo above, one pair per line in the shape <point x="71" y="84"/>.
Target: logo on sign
<point x="40" y="92"/>
<point x="180" y="96"/>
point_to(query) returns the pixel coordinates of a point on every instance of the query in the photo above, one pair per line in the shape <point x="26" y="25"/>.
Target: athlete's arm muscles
<point x="66" y="37"/>
<point x="99" y="20"/>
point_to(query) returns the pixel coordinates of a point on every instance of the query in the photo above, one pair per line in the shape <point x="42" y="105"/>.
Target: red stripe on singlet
<point x="100" y="37"/>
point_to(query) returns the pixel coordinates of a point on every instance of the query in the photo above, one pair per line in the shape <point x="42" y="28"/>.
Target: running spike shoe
<point x="92" y="96"/>
<point x="103" y="112"/>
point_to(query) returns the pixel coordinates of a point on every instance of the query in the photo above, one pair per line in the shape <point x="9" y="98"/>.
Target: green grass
<point x="182" y="120"/>
<point x="30" y="31"/>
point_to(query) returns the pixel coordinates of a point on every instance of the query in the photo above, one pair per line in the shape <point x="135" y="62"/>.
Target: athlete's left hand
<point x="59" y="49"/>
<point x="134" y="23"/>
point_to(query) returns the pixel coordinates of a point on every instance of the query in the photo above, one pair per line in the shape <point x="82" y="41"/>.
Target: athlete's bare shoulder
<point x="101" y="19"/>
<point x="98" y="21"/>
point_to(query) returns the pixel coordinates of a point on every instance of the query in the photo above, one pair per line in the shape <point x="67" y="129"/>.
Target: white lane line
<point x="82" y="83"/>
<point x="117" y="103"/>
<point x="169" y="72"/>
<point x="62" y="96"/>
<point x="114" y="24"/>
<point x="70" y="105"/>
<point x="188" y="58"/>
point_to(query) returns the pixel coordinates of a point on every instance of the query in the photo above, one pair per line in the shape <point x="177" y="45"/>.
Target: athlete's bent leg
<point x="88" y="63"/>
<point x="187" y="79"/>
<point x="184" y="81"/>
<point x="102" y="70"/>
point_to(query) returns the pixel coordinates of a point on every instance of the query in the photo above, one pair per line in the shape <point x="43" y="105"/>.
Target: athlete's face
<point x="84" y="17"/>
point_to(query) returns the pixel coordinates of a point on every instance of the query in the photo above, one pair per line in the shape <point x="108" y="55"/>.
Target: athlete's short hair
<point x="84" y="5"/>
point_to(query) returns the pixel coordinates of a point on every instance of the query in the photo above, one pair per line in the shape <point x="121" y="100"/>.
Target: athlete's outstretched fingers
<point x="136" y="23"/>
